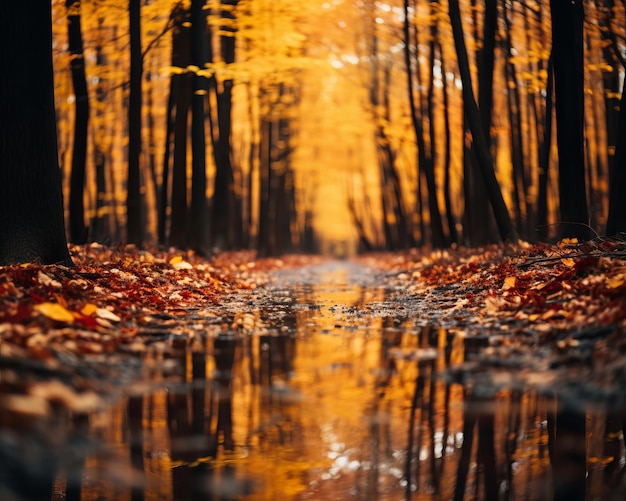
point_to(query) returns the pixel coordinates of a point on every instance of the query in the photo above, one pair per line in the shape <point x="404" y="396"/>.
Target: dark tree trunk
<point x="616" y="222"/>
<point x="568" y="60"/>
<point x="134" y="227"/>
<point x="454" y="237"/>
<point x="227" y="217"/>
<point x="78" y="230"/>
<point x="180" y="210"/>
<point x="199" y="208"/>
<point x="264" y="241"/>
<point x="544" y="153"/>
<point x="479" y="143"/>
<point x="181" y="89"/>
<point x="519" y="181"/>
<point x="100" y="228"/>
<point x="31" y="202"/>
<point x="165" y="181"/>
<point x="480" y="228"/>
<point x="425" y="159"/>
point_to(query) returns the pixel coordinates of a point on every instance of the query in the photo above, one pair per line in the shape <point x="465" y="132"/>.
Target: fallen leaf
<point x="89" y="309"/>
<point x="181" y="265"/>
<point x="107" y="315"/>
<point x="47" y="280"/>
<point x="509" y="283"/>
<point x="176" y="259"/>
<point x="54" y="311"/>
<point x="615" y="281"/>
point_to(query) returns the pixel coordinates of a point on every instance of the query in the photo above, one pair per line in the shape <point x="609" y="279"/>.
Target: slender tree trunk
<point x="544" y="153"/>
<point x="100" y="225"/>
<point x="454" y="237"/>
<point x="169" y="140"/>
<point x="182" y="89"/>
<point x="479" y="144"/>
<point x="264" y="240"/>
<point x="568" y="53"/>
<point x="199" y="206"/>
<point x="134" y="225"/>
<point x="227" y="217"/>
<point x="616" y="223"/>
<point x="78" y="230"/>
<point x="425" y="159"/>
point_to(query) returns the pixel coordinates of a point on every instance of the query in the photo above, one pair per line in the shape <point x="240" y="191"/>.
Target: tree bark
<point x="568" y="59"/>
<point x="31" y="201"/>
<point x="616" y="222"/>
<point x="479" y="144"/>
<point x="78" y="231"/>
<point x="134" y="229"/>
<point x="199" y="207"/>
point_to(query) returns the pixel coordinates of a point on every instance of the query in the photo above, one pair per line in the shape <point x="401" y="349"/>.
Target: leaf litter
<point x="527" y="310"/>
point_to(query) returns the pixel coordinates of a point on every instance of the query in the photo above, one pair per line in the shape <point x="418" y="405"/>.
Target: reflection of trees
<point x="568" y="457"/>
<point x="135" y="428"/>
<point x="199" y="418"/>
<point x="515" y="442"/>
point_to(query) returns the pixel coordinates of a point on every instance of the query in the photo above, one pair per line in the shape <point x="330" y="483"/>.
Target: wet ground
<point x="326" y="385"/>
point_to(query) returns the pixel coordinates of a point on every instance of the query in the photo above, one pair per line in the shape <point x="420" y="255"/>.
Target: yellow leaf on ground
<point x="616" y="281"/>
<point x="89" y="309"/>
<point x="176" y="259"/>
<point x="509" y="283"/>
<point x="54" y="311"/>
<point x="568" y="261"/>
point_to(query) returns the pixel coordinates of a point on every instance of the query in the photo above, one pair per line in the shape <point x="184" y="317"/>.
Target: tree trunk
<point x="31" y="201"/>
<point x="616" y="222"/>
<point x="425" y="159"/>
<point x="181" y="88"/>
<point x="134" y="227"/>
<point x="567" y="50"/>
<point x="479" y="143"/>
<point x="100" y="227"/>
<point x="199" y="208"/>
<point x="227" y="217"/>
<point x="78" y="230"/>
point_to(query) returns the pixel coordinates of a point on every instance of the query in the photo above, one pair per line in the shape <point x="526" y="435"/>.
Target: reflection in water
<point x="339" y="401"/>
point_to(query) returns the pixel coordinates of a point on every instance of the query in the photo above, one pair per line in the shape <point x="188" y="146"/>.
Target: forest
<point x="339" y="125"/>
<point x="203" y="158"/>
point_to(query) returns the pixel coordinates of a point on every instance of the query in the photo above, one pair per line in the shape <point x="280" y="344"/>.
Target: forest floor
<point x="72" y="336"/>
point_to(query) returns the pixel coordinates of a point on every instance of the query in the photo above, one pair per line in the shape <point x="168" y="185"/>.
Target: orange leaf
<point x="89" y="309"/>
<point x="54" y="311"/>
<point x="509" y="283"/>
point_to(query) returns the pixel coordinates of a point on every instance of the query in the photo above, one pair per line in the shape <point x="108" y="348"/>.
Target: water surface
<point x="325" y="389"/>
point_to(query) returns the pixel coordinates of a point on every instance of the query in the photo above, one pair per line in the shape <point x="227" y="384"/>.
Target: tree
<point x="78" y="231"/>
<point x="199" y="207"/>
<point x="31" y="202"/>
<point x="617" y="202"/>
<point x="479" y="143"/>
<point x="567" y="51"/>
<point x="134" y="230"/>
<point x="226" y="222"/>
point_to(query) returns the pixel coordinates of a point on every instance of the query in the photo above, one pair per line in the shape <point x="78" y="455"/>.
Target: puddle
<point x="334" y="394"/>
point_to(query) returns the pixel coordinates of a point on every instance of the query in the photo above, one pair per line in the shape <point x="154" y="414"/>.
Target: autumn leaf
<point x="509" y="283"/>
<point x="47" y="280"/>
<point x="54" y="311"/>
<point x="107" y="315"/>
<point x="178" y="263"/>
<point x="89" y="309"/>
<point x="616" y="281"/>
